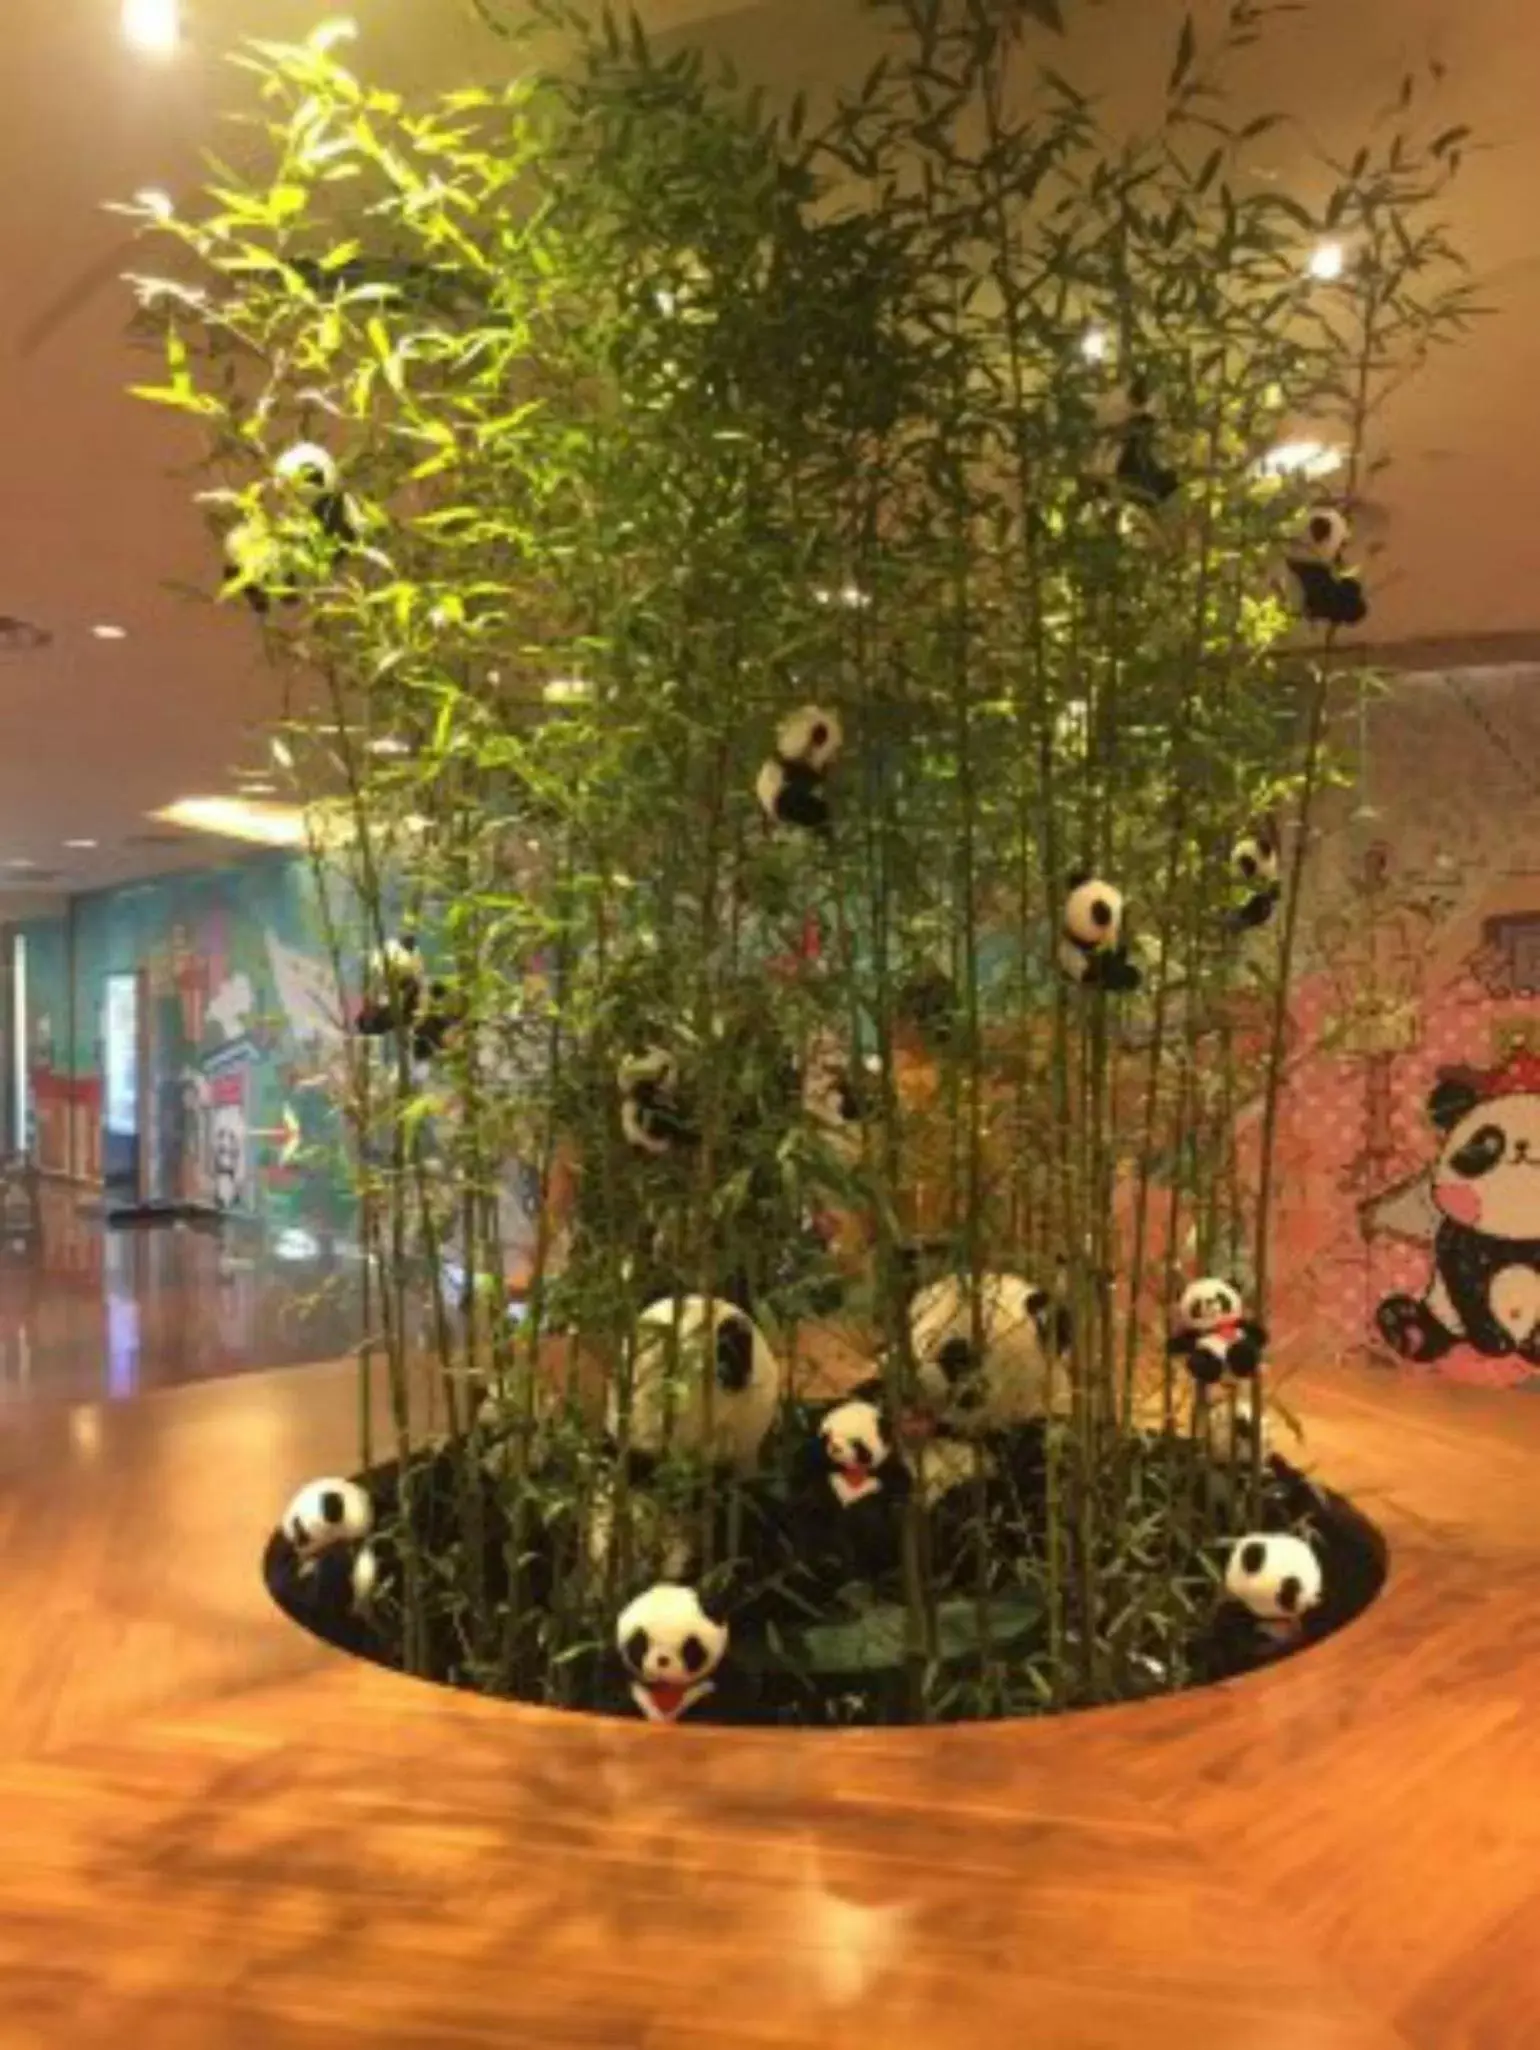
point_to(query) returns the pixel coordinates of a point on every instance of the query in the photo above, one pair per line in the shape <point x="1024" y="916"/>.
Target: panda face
<point x="1254" y="860"/>
<point x="987" y="1378"/>
<point x="678" y="1347"/>
<point x="1093" y="914"/>
<point x="667" y="1641"/>
<point x="308" y="470"/>
<point x="1276" y="1576"/>
<point x="810" y="737"/>
<point x="1208" y="1303"/>
<point x="326" y="1513"/>
<point x="653" y="1069"/>
<point x="253" y="554"/>
<point x="853" y="1438"/>
<point x="1487" y="1176"/>
<point x="1326" y="533"/>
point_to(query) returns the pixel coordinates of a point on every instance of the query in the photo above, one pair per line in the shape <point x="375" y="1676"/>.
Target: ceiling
<point x="94" y="522"/>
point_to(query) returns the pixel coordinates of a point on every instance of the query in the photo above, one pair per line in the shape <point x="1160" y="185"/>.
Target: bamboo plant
<point x="659" y="412"/>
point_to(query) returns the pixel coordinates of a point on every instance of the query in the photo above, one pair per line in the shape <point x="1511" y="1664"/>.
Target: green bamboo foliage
<point x="659" y="414"/>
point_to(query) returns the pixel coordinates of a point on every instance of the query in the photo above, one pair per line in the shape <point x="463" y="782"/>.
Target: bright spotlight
<point x="153" y="27"/>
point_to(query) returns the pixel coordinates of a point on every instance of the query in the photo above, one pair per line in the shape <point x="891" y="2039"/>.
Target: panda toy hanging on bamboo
<point x="1129" y="422"/>
<point x="1093" y="951"/>
<point x="1255" y="865"/>
<point x="653" y="1116"/>
<point x="791" y="785"/>
<point x="1330" y="595"/>
<point x="308" y="473"/>
<point x="399" y="998"/>
<point x="1215" y="1336"/>
<point x="671" y="1648"/>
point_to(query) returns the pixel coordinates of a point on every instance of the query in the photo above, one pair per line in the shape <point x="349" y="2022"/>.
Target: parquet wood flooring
<point x="220" y="1835"/>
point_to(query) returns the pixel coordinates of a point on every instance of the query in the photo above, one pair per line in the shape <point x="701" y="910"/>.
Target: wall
<point x="239" y="1025"/>
<point x="1421" y="939"/>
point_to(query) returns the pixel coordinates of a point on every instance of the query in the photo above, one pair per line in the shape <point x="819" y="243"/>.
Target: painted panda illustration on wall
<point x="791" y="784"/>
<point x="1092" y="948"/>
<point x="677" y="1345"/>
<point x="1484" y="1290"/>
<point x="672" y="1648"/>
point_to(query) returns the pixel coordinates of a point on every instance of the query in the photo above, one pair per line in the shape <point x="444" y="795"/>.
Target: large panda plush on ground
<point x="998" y="1376"/>
<point x="678" y="1344"/>
<point x="1484" y="1290"/>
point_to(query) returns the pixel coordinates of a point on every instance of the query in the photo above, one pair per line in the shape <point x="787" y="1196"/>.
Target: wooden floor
<point x="217" y="1833"/>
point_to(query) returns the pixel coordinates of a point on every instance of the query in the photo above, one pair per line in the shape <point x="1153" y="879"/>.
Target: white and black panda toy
<point x="678" y="1345"/>
<point x="1484" y="1290"/>
<point x="393" y="988"/>
<point x="791" y="784"/>
<point x="1129" y="423"/>
<point x="653" y="1117"/>
<point x="672" y="1649"/>
<point x="328" y="1527"/>
<point x="1092" y="949"/>
<point x="856" y="1451"/>
<point x="1330" y="595"/>
<point x="309" y="473"/>
<point x="254" y="566"/>
<point x="1277" y="1578"/>
<point x="1214" y="1335"/>
<point x="1256" y="865"/>
<point x="1002" y="1381"/>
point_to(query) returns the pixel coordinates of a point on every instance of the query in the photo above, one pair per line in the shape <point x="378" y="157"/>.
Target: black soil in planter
<point x="814" y="1596"/>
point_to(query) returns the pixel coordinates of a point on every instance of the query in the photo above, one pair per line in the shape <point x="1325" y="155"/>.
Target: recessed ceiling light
<point x="152" y="27"/>
<point x="256" y="786"/>
<point x="20" y="861"/>
<point x="82" y="846"/>
<point x="1326" y="261"/>
<point x="110" y="633"/>
<point x="238" y="818"/>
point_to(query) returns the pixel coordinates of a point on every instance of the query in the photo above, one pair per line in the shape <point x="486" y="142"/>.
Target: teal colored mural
<point x="240" y="1032"/>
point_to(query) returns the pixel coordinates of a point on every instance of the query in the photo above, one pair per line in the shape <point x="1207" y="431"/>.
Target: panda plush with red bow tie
<point x="1214" y="1335"/>
<point x="671" y="1643"/>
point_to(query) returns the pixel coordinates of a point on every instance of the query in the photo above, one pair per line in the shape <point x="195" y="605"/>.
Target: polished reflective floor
<point x="89" y="1311"/>
<point x="220" y="1835"/>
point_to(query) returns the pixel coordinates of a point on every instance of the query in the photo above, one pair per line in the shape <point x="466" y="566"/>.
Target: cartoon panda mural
<point x="1484" y="1290"/>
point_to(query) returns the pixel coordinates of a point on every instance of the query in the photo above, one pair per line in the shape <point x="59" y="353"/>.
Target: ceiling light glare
<point x="109" y="633"/>
<point x="1094" y="344"/>
<point x="82" y="846"/>
<point x="1307" y="459"/>
<point x="1327" y="261"/>
<point x="152" y="27"/>
<point x="238" y="818"/>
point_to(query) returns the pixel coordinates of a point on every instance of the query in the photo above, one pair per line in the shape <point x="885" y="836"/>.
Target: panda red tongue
<point x="667" y="1697"/>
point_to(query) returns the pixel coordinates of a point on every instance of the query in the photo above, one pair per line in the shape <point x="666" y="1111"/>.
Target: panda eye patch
<point x="1481" y="1152"/>
<point x="636" y="1648"/>
<point x="1253" y="1557"/>
<point x="1101" y="912"/>
<point x="332" y="1506"/>
<point x="693" y="1652"/>
<point x="955" y="1358"/>
<point x="1289" y="1592"/>
<point x="1320" y="528"/>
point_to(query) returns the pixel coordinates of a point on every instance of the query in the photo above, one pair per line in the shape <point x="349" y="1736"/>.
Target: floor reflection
<point x="93" y="1312"/>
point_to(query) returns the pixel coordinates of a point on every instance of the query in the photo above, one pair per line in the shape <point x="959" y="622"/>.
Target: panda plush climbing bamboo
<point x="399" y="998"/>
<point x="1255" y="864"/>
<point x="1330" y="594"/>
<point x="791" y="785"/>
<point x="1129" y="423"/>
<point x="1093" y="951"/>
<point x="653" y="1116"/>
<point x="1214" y="1335"/>
<point x="308" y="473"/>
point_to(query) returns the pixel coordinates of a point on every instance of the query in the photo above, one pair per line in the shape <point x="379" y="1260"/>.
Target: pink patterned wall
<point x="1422" y="955"/>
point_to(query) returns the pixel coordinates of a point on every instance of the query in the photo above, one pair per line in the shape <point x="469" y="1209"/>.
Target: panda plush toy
<point x="652" y="1113"/>
<point x="1214" y="1335"/>
<point x="1129" y="422"/>
<point x="1330" y="595"/>
<point x="331" y="1565"/>
<point x="791" y="784"/>
<point x="399" y="998"/>
<point x="999" y="1380"/>
<point x="1092" y="948"/>
<point x="856" y="1452"/>
<point x="308" y="473"/>
<point x="671" y="1649"/>
<point x="1484" y="1290"/>
<point x="678" y="1344"/>
<point x="1255" y="864"/>
<point x="1277" y="1579"/>
<point x="254" y="566"/>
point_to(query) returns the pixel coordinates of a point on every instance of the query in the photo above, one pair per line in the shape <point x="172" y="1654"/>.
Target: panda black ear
<point x="714" y="1606"/>
<point x="1454" y="1093"/>
<point x="1076" y="878"/>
